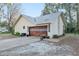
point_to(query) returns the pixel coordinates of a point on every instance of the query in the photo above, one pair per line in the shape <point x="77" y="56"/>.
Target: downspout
<point x="58" y="24"/>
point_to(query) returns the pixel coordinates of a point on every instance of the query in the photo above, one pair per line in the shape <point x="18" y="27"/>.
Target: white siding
<point x="53" y="29"/>
<point x="23" y="22"/>
<point x="61" y="25"/>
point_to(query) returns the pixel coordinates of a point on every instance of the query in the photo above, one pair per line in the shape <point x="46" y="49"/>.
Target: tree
<point x="4" y="24"/>
<point x="12" y="10"/>
<point x="76" y="8"/>
<point x="50" y="8"/>
<point x="68" y="8"/>
<point x="46" y="10"/>
<point x="1" y="11"/>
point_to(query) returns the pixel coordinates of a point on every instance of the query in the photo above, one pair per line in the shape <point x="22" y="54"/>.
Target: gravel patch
<point x="41" y="48"/>
<point x="63" y="50"/>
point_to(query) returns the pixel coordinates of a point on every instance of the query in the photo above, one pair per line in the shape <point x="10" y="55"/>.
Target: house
<point x="47" y="25"/>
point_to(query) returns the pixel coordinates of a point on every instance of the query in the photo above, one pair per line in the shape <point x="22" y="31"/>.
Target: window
<point x="23" y="27"/>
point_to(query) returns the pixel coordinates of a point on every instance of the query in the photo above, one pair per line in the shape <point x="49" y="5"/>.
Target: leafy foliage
<point x="17" y="34"/>
<point x="8" y="11"/>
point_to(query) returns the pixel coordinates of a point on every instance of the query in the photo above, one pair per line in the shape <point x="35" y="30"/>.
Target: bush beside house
<point x="17" y="34"/>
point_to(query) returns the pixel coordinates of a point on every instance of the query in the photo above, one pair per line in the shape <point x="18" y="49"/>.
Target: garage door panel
<point x="38" y="31"/>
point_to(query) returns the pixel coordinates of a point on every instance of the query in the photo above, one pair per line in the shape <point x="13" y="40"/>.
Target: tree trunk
<point x="70" y="19"/>
<point x="77" y="20"/>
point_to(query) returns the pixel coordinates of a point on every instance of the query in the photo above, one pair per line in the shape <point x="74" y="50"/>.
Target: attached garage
<point x="48" y="25"/>
<point x="38" y="31"/>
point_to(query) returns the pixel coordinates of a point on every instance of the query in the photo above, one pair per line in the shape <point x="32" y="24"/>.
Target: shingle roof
<point x="47" y="18"/>
<point x="31" y="19"/>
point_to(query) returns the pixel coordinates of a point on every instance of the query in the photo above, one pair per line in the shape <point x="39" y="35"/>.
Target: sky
<point x="32" y="9"/>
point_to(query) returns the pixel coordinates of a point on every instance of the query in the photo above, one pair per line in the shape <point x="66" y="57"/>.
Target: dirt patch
<point x="72" y="41"/>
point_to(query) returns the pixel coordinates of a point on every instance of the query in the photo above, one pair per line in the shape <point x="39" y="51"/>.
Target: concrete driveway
<point x="31" y="46"/>
<point x="14" y="42"/>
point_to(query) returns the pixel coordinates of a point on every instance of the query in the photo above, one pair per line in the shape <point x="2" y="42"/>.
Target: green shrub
<point x="17" y="34"/>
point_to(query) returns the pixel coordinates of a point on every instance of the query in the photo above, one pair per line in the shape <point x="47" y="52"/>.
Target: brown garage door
<point x="38" y="31"/>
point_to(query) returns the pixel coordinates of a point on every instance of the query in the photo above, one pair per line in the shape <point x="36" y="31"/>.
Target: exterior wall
<point x="14" y="19"/>
<point x="53" y="29"/>
<point x="61" y="27"/>
<point x="56" y="28"/>
<point x="23" y="22"/>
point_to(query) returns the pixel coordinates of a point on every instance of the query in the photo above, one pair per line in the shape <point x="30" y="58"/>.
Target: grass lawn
<point x="6" y="35"/>
<point x="5" y="32"/>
